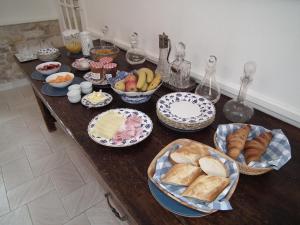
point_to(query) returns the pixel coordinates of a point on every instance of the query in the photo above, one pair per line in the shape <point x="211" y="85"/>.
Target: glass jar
<point x="72" y="41"/>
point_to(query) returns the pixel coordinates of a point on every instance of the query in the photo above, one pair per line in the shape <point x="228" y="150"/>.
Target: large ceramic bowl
<point x="60" y="84"/>
<point x="47" y="68"/>
<point x="130" y="97"/>
<point x="99" y="52"/>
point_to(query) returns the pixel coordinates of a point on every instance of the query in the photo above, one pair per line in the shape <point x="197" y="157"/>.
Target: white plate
<point x="146" y="126"/>
<point x="89" y="76"/>
<point x="185" y="107"/>
<point x="87" y="103"/>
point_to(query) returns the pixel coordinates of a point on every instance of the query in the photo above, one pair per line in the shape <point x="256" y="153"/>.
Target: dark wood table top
<point x="272" y="198"/>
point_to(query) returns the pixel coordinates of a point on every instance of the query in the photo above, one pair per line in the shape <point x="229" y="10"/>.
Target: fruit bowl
<point x="132" y="97"/>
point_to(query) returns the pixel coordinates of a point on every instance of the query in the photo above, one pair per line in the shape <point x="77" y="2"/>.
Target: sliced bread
<point x="212" y="166"/>
<point x="181" y="174"/>
<point x="206" y="188"/>
<point x="189" y="153"/>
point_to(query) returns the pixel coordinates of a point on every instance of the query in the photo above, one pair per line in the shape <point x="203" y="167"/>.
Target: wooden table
<point x="272" y="198"/>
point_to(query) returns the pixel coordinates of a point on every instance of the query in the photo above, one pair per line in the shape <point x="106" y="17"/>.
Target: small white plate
<point x="87" y="103"/>
<point x="146" y="125"/>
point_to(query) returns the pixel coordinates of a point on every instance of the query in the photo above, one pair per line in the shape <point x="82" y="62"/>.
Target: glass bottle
<point x="180" y="69"/>
<point x="236" y="110"/>
<point x="135" y="55"/>
<point x="209" y="87"/>
<point x="163" y="65"/>
<point x="106" y="38"/>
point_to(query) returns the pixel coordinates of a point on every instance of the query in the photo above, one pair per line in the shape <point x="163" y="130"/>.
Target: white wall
<point x="23" y="11"/>
<point x="267" y="31"/>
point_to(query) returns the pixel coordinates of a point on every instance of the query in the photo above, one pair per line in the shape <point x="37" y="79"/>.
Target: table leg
<point x="48" y="118"/>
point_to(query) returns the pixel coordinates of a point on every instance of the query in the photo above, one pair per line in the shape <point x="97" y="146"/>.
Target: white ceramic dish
<point x="62" y="84"/>
<point x="76" y="65"/>
<point x="87" y="103"/>
<point x="49" y="71"/>
<point x="146" y="126"/>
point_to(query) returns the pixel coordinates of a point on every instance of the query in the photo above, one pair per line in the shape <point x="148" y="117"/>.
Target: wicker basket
<point x="244" y="169"/>
<point x="152" y="166"/>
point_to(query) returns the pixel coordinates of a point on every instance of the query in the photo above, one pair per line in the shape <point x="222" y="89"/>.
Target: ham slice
<point x="131" y="129"/>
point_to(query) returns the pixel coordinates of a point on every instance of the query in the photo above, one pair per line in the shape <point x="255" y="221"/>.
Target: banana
<point x="149" y="74"/>
<point x="155" y="82"/>
<point x="144" y="88"/>
<point x="141" y="78"/>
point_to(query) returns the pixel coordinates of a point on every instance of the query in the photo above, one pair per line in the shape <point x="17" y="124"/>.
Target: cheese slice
<point x="108" y="125"/>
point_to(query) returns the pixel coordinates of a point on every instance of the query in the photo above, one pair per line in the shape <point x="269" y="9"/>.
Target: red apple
<point x="130" y="86"/>
<point x="130" y="78"/>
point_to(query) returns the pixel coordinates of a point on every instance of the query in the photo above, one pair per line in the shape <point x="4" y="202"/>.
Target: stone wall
<point x="31" y="34"/>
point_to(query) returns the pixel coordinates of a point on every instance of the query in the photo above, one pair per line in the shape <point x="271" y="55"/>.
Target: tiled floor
<point x="45" y="179"/>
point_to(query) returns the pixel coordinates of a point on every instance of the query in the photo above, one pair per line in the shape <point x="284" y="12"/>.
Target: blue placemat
<point x="39" y="76"/>
<point x="172" y="205"/>
<point x="57" y="92"/>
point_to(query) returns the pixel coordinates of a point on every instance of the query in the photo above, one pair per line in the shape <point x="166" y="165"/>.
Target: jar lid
<point x="110" y="66"/>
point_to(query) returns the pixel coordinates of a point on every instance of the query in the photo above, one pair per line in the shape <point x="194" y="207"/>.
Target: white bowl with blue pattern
<point x="130" y="97"/>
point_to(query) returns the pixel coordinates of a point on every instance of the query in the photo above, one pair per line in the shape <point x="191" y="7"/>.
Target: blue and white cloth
<point x="163" y="164"/>
<point x="277" y="154"/>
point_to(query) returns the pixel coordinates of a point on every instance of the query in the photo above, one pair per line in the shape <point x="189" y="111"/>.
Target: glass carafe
<point x="106" y="38"/>
<point x="180" y="69"/>
<point x="209" y="87"/>
<point x="163" y="65"/>
<point x="236" y="110"/>
<point x="135" y="55"/>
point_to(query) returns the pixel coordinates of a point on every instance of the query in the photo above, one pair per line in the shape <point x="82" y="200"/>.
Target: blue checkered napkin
<point x="163" y="164"/>
<point x="277" y="154"/>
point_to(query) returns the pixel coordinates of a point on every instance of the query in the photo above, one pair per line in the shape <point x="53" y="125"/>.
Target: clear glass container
<point x="163" y="65"/>
<point x="106" y="38"/>
<point x="72" y="41"/>
<point x="209" y="87"/>
<point x="237" y="110"/>
<point x="135" y="55"/>
<point x="180" y="69"/>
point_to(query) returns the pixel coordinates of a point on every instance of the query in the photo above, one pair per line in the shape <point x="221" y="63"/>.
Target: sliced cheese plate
<point x="173" y="191"/>
<point x="120" y="127"/>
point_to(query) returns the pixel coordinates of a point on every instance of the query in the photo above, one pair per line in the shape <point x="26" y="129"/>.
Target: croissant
<point x="255" y="148"/>
<point x="236" y="141"/>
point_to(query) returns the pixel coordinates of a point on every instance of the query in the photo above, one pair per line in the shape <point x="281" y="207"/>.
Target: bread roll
<point x="206" y="188"/>
<point x="189" y="153"/>
<point x="212" y="166"/>
<point x="181" y="174"/>
<point x="236" y="141"/>
<point x="255" y="148"/>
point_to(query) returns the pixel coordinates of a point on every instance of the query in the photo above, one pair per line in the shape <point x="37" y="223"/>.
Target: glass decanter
<point x="236" y="110"/>
<point x="135" y="55"/>
<point x="163" y="65"/>
<point x="209" y="87"/>
<point x="180" y="69"/>
<point x="106" y="38"/>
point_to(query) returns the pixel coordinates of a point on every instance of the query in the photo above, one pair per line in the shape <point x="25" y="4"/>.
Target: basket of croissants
<point x="256" y="149"/>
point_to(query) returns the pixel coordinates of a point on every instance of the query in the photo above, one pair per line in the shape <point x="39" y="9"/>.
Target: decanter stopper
<point x="209" y="87"/>
<point x="237" y="110"/>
